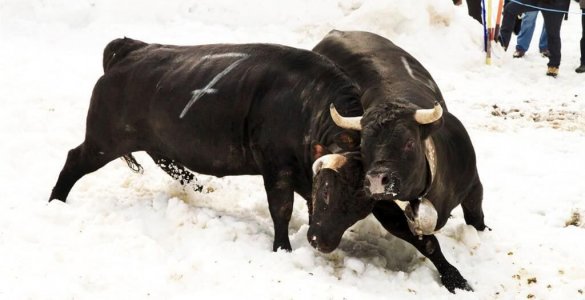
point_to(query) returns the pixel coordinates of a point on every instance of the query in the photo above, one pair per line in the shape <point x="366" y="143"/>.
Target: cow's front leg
<point x="279" y="189"/>
<point x="393" y="219"/>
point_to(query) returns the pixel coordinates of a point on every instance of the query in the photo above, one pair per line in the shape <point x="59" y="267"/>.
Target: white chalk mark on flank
<point x="407" y="67"/>
<point x="208" y="89"/>
<point x="222" y="55"/>
<point x="430" y="84"/>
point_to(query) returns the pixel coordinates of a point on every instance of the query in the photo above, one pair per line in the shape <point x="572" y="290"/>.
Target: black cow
<point x="409" y="153"/>
<point x="220" y="110"/>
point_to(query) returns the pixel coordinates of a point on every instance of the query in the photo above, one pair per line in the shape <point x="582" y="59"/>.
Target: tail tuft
<point x="133" y="164"/>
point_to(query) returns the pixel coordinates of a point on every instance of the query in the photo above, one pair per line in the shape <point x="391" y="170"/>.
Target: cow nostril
<point x="385" y="180"/>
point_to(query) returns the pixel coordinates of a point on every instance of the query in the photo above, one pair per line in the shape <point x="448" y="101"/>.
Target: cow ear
<point x="429" y="129"/>
<point x="319" y="150"/>
<point x="348" y="140"/>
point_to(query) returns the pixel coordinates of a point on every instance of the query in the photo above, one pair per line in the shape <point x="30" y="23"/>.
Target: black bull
<point x="219" y="110"/>
<point x="415" y="160"/>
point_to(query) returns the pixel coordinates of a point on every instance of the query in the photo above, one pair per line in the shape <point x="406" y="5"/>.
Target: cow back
<point x="383" y="70"/>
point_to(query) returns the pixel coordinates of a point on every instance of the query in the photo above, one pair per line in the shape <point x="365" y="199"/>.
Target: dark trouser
<point x="474" y="9"/>
<point x="583" y="37"/>
<point x="552" y="23"/>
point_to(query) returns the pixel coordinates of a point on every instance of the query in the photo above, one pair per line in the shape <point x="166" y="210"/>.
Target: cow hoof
<point x="285" y="246"/>
<point x="482" y="228"/>
<point x="453" y="280"/>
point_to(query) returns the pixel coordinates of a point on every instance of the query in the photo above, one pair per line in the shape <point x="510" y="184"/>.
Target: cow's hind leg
<point x="80" y="161"/>
<point x="393" y="220"/>
<point x="472" y="211"/>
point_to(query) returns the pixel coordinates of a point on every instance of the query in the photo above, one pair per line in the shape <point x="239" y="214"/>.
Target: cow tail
<point x="132" y="163"/>
<point x="118" y="49"/>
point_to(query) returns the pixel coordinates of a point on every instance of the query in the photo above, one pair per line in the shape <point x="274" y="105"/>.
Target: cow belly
<point x="234" y="161"/>
<point x="206" y="151"/>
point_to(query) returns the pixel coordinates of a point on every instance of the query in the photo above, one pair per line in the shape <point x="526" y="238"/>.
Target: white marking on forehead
<point x="407" y="67"/>
<point x="208" y="89"/>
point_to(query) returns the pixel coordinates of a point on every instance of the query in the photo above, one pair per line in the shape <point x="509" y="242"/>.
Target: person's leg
<point x="543" y="43"/>
<point x="474" y="9"/>
<point x="583" y="37"/>
<point x="511" y="10"/>
<point x="581" y="68"/>
<point x="526" y="31"/>
<point x="552" y="23"/>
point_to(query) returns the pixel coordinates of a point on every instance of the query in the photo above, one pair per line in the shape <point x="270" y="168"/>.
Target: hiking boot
<point x="518" y="53"/>
<point x="580" y="69"/>
<point x="552" y="71"/>
<point x="545" y="53"/>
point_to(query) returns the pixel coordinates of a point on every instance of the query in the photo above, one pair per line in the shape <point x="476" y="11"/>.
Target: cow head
<point x="338" y="199"/>
<point x="393" y="136"/>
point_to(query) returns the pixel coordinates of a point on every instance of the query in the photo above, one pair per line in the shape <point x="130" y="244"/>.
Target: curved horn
<point x="427" y="116"/>
<point x="329" y="161"/>
<point x="345" y="122"/>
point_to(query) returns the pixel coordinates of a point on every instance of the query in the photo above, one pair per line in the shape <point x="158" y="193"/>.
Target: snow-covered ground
<point x="123" y="235"/>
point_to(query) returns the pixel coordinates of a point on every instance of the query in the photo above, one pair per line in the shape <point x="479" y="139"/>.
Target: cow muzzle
<point x="323" y="243"/>
<point x="381" y="184"/>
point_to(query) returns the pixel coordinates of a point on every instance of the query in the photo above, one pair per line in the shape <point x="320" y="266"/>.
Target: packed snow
<point x="123" y="235"/>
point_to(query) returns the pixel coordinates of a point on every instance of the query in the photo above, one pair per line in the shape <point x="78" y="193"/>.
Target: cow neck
<point x="431" y="163"/>
<point x="431" y="158"/>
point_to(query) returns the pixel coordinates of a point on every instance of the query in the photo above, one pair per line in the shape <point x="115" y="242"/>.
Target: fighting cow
<point x="218" y="109"/>
<point x="410" y="153"/>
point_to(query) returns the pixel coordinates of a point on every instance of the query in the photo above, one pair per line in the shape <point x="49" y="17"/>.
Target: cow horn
<point x="329" y="161"/>
<point x="427" y="116"/>
<point x="345" y="122"/>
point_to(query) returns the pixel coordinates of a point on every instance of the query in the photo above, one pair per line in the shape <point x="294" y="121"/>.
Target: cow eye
<point x="409" y="145"/>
